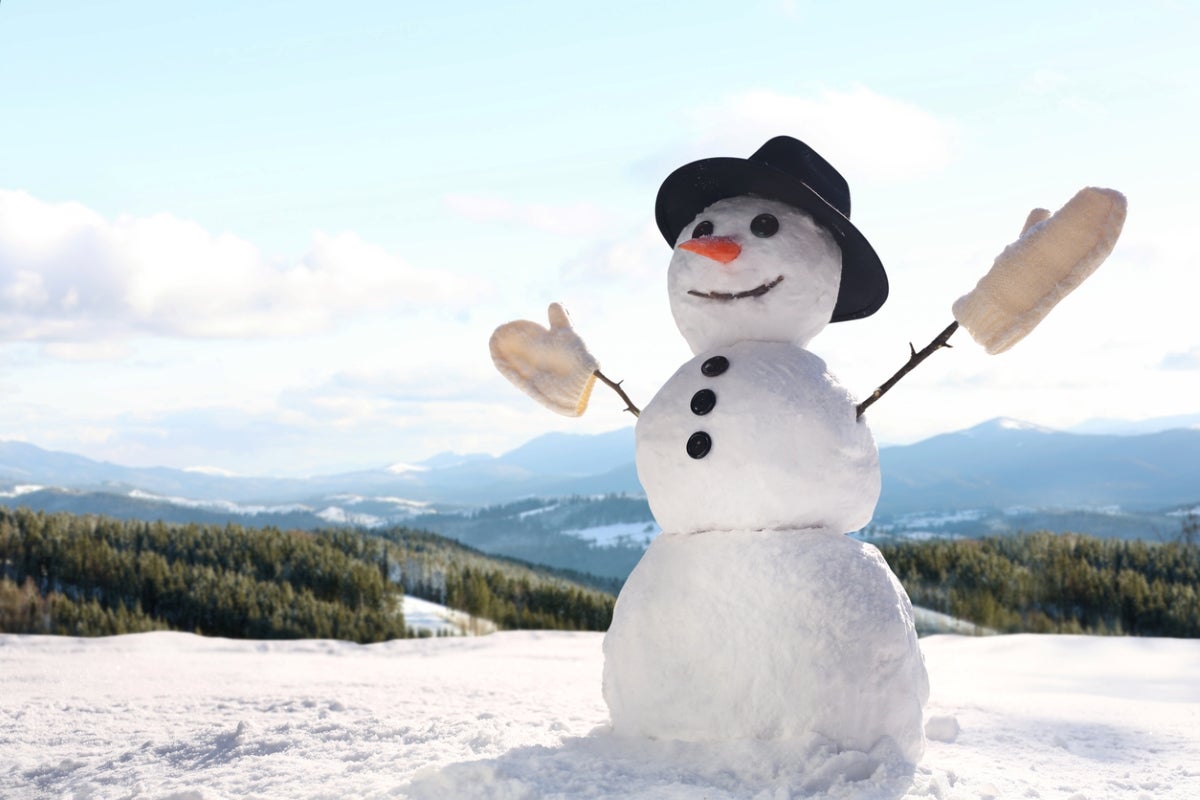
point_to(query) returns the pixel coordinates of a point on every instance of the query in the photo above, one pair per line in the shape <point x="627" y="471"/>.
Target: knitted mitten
<point x="1054" y="255"/>
<point x="552" y="366"/>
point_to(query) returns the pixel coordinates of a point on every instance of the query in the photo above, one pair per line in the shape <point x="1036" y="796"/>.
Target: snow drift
<point x="520" y="715"/>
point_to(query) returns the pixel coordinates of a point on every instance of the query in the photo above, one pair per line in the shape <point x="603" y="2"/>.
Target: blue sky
<point x="275" y="237"/>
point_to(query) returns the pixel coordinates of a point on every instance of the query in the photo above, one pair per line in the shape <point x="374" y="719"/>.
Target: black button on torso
<point x="698" y="444"/>
<point x="714" y="366"/>
<point x="703" y="401"/>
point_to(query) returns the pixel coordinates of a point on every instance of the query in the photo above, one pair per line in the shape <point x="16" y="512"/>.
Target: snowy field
<point x="171" y="716"/>
<point x="437" y="619"/>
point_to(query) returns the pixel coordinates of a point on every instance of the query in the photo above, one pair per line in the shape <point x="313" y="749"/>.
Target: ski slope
<point x="172" y="716"/>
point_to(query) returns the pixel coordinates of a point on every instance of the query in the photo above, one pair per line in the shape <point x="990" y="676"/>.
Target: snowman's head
<point x="752" y="269"/>
<point x="726" y="285"/>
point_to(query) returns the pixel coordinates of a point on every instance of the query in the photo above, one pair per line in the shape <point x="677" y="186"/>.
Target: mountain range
<point x="1007" y="463"/>
<point x="997" y="476"/>
<point x="552" y="464"/>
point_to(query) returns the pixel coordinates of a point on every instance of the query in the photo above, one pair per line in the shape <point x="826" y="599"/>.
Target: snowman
<point x="753" y="616"/>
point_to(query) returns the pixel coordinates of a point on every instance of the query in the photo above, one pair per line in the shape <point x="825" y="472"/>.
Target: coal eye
<point x="764" y="225"/>
<point x="703" y="229"/>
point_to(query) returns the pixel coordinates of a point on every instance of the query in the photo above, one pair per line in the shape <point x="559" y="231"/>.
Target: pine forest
<point x="89" y="576"/>
<point x="86" y="575"/>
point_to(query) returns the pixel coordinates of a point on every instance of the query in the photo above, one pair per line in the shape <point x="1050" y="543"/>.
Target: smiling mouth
<point x="757" y="291"/>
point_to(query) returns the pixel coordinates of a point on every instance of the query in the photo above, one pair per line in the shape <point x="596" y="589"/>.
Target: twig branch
<point x="616" y="387"/>
<point x="916" y="358"/>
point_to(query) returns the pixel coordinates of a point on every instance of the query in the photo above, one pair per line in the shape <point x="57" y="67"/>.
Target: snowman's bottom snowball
<point x="728" y="635"/>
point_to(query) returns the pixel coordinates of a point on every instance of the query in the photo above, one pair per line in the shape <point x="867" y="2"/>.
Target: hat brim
<point x="694" y="187"/>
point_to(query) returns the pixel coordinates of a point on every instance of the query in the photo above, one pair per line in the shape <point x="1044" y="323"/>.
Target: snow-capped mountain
<point x="1001" y="475"/>
<point x="1004" y="463"/>
<point x="553" y="464"/>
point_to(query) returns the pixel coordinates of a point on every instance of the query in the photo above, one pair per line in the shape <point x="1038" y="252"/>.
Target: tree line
<point x="1056" y="583"/>
<point x="85" y="575"/>
<point x="88" y="575"/>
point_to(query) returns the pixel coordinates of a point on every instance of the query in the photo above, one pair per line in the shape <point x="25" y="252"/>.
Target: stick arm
<point x="916" y="358"/>
<point x="616" y="387"/>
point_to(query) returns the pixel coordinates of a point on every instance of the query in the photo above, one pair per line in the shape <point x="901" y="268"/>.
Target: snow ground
<point x="171" y="716"/>
<point x="930" y="621"/>
<point x="425" y="615"/>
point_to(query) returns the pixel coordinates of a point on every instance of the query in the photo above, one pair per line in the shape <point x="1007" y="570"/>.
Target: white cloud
<point x="1187" y="360"/>
<point x="418" y="383"/>
<point x="1048" y="81"/>
<point x="629" y="259"/>
<point x="865" y="135"/>
<point x="67" y="274"/>
<point x="578" y="219"/>
<point x="87" y="351"/>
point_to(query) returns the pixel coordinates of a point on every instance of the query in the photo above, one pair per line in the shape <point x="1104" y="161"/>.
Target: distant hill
<point x="1000" y="476"/>
<point x="1004" y="463"/>
<point x="1125" y="427"/>
<point x="599" y="535"/>
<point x="550" y="465"/>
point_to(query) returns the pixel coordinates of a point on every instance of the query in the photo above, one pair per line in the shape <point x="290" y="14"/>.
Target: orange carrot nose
<point x="718" y="248"/>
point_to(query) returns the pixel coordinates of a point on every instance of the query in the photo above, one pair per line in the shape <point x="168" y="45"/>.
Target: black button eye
<point x="764" y="225"/>
<point x="703" y="229"/>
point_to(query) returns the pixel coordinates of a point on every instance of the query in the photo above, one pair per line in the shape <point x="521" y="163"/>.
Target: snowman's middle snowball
<point x="785" y="448"/>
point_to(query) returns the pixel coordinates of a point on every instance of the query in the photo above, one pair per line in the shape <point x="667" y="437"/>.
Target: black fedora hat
<point x="787" y="170"/>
